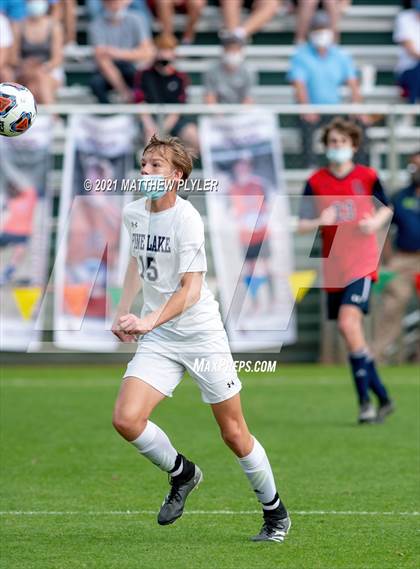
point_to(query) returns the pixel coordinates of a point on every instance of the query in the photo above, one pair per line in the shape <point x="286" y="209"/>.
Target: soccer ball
<point x="17" y="109"/>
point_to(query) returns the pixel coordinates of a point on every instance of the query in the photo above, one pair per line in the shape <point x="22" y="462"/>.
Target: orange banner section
<point x="76" y="299"/>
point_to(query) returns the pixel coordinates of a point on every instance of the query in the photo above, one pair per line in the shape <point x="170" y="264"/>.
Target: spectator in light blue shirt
<point x="319" y="68"/>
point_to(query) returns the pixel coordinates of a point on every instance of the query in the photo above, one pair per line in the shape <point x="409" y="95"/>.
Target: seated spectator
<point x="95" y="8"/>
<point x="163" y="84"/>
<point x="164" y="11"/>
<point x="262" y="11"/>
<point x="38" y="52"/>
<point x="318" y="70"/>
<point x="229" y="81"/>
<point x="6" y="42"/>
<point x="405" y="262"/>
<point x="407" y="34"/>
<point x="305" y="11"/>
<point x="121" y="40"/>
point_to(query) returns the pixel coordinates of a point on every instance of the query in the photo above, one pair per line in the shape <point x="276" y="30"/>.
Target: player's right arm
<point x="131" y="288"/>
<point x="309" y="219"/>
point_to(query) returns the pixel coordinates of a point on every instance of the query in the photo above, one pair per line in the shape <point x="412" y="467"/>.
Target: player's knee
<point x="233" y="436"/>
<point x="127" y="422"/>
<point x="347" y="325"/>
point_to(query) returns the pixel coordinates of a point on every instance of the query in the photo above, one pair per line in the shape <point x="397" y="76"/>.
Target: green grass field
<point x="74" y="495"/>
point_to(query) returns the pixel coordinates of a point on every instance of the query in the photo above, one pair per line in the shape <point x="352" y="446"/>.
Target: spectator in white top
<point x="407" y="34"/>
<point x="6" y="42"/>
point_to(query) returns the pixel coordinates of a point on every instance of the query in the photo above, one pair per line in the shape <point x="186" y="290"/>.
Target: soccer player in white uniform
<point x="179" y="324"/>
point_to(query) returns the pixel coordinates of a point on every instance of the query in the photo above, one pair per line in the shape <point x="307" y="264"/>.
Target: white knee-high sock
<point x="258" y="471"/>
<point x="156" y="446"/>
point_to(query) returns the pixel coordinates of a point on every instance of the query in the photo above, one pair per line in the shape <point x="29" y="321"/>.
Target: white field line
<point x="263" y="381"/>
<point x="204" y="513"/>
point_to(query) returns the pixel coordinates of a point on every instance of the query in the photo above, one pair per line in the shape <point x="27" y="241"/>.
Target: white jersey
<point x="167" y="244"/>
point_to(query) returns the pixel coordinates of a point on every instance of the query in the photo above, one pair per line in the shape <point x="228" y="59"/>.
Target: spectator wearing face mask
<point x="95" y="8"/>
<point x="305" y="10"/>
<point x="162" y="83"/>
<point x="404" y="262"/>
<point x="121" y="40"/>
<point x="38" y="52"/>
<point x="319" y="68"/>
<point x="230" y="81"/>
<point x="407" y="35"/>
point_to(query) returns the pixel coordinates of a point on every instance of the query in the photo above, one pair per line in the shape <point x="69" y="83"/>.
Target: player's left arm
<point x="187" y="295"/>
<point x="371" y="223"/>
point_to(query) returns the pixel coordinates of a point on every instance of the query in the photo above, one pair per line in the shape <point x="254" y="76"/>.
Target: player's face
<point x="338" y="139"/>
<point x="154" y="162"/>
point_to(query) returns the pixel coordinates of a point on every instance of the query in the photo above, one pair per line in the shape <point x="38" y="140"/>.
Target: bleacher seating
<point x="366" y="33"/>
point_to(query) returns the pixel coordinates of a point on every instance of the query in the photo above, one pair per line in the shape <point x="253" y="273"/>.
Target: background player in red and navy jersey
<point x="339" y="199"/>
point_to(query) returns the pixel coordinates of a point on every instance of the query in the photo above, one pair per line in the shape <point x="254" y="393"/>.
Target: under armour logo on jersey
<point x="134" y="224"/>
<point x="230" y="383"/>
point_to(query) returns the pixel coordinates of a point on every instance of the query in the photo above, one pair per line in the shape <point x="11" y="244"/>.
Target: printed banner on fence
<point x="26" y="207"/>
<point x="89" y="267"/>
<point x="248" y="221"/>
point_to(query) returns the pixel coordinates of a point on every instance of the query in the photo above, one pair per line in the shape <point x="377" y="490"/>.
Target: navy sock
<point x="360" y="375"/>
<point x="375" y="383"/>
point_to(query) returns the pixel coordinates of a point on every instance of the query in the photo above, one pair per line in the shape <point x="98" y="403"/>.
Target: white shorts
<point x="162" y="365"/>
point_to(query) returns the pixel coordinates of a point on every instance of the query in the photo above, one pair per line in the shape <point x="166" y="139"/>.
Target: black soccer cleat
<point x="274" y="528"/>
<point x="384" y="410"/>
<point x="173" y="505"/>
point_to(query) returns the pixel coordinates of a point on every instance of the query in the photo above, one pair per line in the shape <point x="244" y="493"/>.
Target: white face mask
<point x="339" y="155"/>
<point x="37" y="8"/>
<point x="110" y="15"/>
<point x="233" y="59"/>
<point x="322" y="38"/>
<point x="154" y="186"/>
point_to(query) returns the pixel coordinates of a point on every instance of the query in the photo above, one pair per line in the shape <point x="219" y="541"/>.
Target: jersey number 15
<point x="148" y="269"/>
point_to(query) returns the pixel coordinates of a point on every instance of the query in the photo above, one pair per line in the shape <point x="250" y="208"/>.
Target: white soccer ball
<point x="17" y="109"/>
